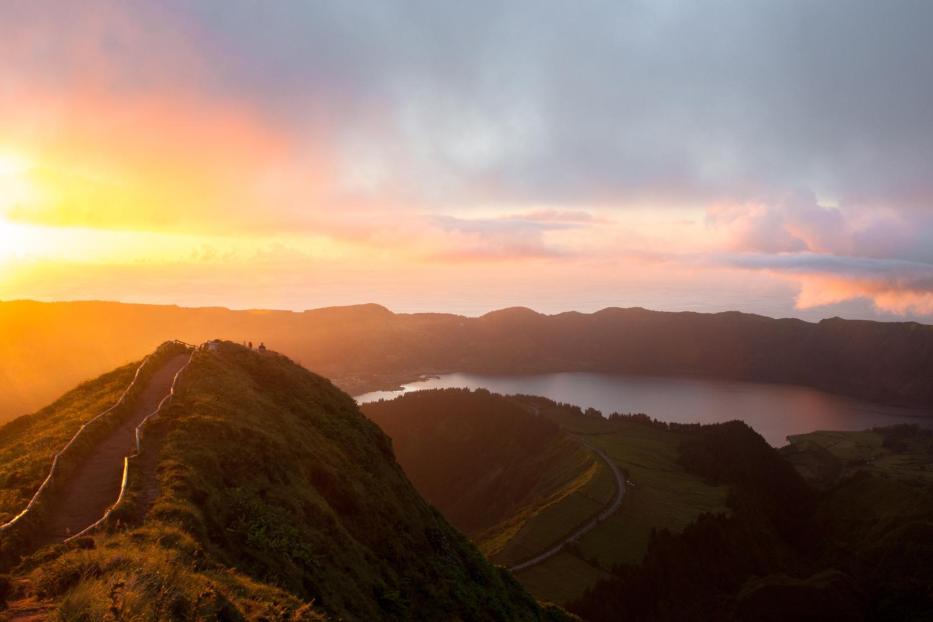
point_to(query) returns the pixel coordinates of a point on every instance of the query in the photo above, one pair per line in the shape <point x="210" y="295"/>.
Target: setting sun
<point x="12" y="164"/>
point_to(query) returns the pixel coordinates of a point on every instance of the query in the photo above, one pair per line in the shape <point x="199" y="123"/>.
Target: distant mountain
<point x="48" y="347"/>
<point x="271" y="497"/>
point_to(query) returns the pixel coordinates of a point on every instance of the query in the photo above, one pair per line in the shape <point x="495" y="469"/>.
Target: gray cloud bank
<point x="566" y="102"/>
<point x="575" y="106"/>
<point x="595" y="101"/>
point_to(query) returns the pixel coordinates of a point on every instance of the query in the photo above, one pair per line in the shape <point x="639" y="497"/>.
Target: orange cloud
<point x="817" y="290"/>
<point x="147" y="162"/>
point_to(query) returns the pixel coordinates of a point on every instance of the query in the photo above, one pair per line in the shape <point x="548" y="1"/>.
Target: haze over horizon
<point x="773" y="158"/>
<point x="471" y="311"/>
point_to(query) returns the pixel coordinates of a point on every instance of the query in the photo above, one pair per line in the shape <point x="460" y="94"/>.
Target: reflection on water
<point x="774" y="410"/>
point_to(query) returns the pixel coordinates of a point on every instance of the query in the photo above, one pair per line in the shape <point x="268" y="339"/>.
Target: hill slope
<point x="28" y="443"/>
<point x="486" y="462"/>
<point x="47" y="348"/>
<point x="274" y="491"/>
<point x="506" y="461"/>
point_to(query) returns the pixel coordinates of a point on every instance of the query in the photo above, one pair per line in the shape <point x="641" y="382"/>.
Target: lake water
<point x="774" y="410"/>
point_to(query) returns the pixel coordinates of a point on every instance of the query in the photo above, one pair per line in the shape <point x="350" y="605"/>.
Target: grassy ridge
<point x="278" y="501"/>
<point x="28" y="443"/>
<point x="154" y="573"/>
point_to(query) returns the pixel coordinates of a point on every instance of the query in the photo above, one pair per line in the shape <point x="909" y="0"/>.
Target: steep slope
<point x="486" y="462"/>
<point x="47" y="348"/>
<point x="274" y="491"/>
<point x="28" y="443"/>
<point x="505" y="461"/>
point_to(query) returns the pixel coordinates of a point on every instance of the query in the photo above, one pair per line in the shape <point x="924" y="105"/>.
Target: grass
<point x="28" y="443"/>
<point x="590" y="492"/>
<point x="825" y="457"/>
<point x="489" y="464"/>
<point x="560" y="579"/>
<point x="661" y="495"/>
<point x="571" y="473"/>
<point x="155" y="574"/>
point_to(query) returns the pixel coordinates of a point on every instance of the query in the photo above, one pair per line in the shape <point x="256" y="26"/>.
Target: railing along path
<point x="53" y="470"/>
<point x="126" y="460"/>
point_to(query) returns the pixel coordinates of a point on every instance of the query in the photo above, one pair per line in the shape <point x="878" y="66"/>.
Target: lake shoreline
<point x="774" y="410"/>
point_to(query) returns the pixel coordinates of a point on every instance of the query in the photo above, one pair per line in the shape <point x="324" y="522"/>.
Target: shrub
<point x="86" y="602"/>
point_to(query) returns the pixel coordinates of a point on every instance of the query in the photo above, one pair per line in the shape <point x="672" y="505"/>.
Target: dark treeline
<point x="784" y="552"/>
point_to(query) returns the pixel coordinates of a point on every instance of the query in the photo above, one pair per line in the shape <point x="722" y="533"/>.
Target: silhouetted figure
<point x="250" y="345"/>
<point x="262" y="347"/>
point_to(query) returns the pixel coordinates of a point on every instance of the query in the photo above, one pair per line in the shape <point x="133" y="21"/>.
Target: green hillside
<point x="519" y="470"/>
<point x="27" y="444"/>
<point x="715" y="523"/>
<point x="278" y="501"/>
<point x="661" y="494"/>
<point x="493" y="467"/>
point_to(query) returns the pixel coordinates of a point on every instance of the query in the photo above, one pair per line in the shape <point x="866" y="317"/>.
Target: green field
<point x="824" y="457"/>
<point x="661" y="495"/>
<point x="592" y="492"/>
<point x="561" y="578"/>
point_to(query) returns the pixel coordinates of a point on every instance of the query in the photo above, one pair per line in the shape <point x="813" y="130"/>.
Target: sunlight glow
<point x="15" y="185"/>
<point x="12" y="164"/>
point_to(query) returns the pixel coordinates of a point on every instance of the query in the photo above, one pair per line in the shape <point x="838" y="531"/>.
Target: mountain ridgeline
<point x="277" y="500"/>
<point x="52" y="346"/>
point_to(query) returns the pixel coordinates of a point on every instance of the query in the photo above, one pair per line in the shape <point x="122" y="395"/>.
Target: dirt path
<point x="589" y="526"/>
<point x="96" y="483"/>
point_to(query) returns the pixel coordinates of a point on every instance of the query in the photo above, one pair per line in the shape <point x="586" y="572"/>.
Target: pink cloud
<point x="817" y="290"/>
<point x="799" y="223"/>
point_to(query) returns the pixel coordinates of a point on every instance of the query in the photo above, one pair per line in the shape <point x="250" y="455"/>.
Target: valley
<point x="658" y="492"/>
<point x="701" y="494"/>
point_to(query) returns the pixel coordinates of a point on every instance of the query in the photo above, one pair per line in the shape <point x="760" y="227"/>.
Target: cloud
<point x="495" y="239"/>
<point x="434" y="133"/>
<point x="799" y="223"/>
<point x="893" y="286"/>
<point x="529" y="101"/>
<point x="556" y="215"/>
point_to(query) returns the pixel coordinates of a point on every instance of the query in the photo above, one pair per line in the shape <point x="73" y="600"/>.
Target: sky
<point x="770" y="157"/>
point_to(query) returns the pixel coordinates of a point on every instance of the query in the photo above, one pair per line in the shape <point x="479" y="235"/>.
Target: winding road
<point x="589" y="526"/>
